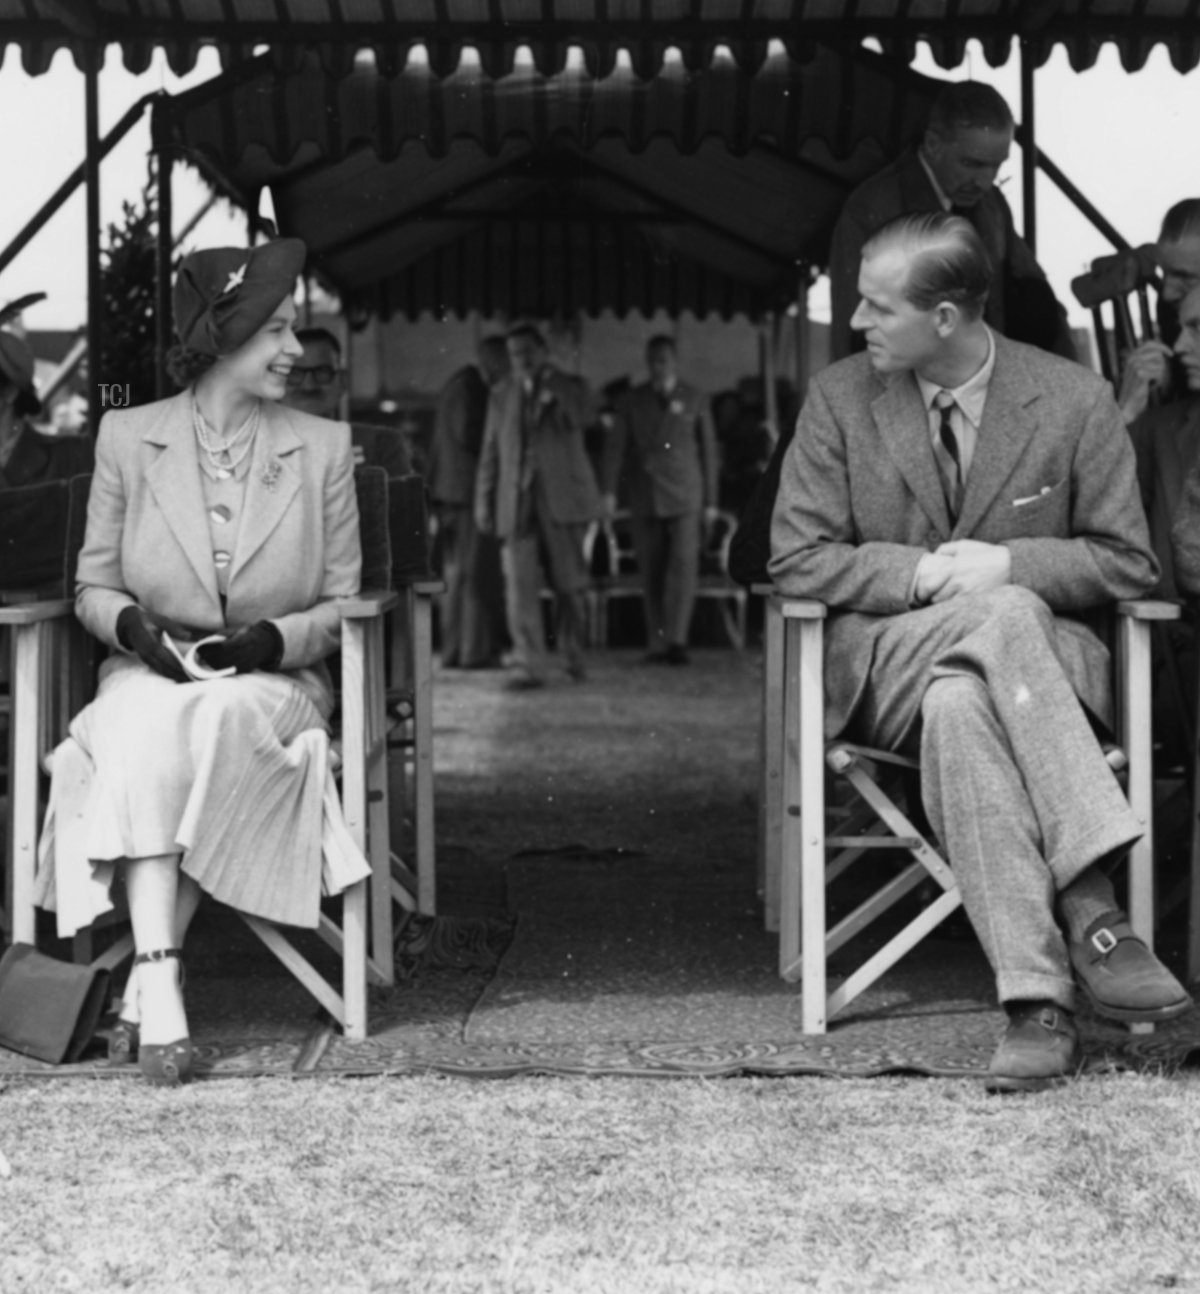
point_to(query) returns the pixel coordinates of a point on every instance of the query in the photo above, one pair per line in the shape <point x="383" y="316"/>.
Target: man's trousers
<point x="560" y="547"/>
<point x="472" y="607"/>
<point x="668" y="558"/>
<point x="1014" y="781"/>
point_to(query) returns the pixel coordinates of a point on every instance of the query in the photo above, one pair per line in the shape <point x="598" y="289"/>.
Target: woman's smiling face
<point x="260" y="365"/>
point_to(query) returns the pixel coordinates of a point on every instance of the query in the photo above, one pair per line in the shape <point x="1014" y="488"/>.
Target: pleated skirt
<point x="232" y="774"/>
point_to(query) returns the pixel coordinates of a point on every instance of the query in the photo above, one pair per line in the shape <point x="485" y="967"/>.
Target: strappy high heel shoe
<point x="166" y="1064"/>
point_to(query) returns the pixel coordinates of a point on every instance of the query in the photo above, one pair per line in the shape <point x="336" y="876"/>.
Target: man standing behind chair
<point x="963" y="503"/>
<point x="954" y="168"/>
<point x="316" y="385"/>
<point x="27" y="457"/>
<point x="536" y="490"/>
<point x="472" y="611"/>
<point x="663" y="438"/>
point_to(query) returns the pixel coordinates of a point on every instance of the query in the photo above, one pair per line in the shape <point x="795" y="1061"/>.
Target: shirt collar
<point x="937" y="188"/>
<point x="972" y="394"/>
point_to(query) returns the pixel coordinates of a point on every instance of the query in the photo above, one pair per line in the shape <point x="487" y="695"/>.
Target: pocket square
<point x="1033" y="498"/>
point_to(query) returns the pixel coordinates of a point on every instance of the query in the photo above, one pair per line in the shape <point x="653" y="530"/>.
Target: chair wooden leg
<point x="770" y="816"/>
<point x="1136" y="741"/>
<point x="811" y="719"/>
<point x="422" y="656"/>
<point x="29" y="647"/>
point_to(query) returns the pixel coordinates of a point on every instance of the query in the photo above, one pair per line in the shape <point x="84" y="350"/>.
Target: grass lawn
<point x="739" y="1185"/>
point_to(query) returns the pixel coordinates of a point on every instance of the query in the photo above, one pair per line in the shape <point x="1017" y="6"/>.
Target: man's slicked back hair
<point x="1182" y="221"/>
<point x="306" y="336"/>
<point x="947" y="260"/>
<point x="969" y="105"/>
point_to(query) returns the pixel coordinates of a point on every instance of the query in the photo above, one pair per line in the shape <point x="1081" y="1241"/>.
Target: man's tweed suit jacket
<point x="860" y="500"/>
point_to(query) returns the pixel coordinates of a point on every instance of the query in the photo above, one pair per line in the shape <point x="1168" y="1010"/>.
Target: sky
<point x="1117" y="136"/>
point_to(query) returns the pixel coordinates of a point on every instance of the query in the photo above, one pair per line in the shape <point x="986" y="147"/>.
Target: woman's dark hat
<point x="224" y="295"/>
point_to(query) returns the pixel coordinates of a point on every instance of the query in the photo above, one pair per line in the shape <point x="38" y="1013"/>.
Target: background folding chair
<point x="46" y="696"/>
<point x="613" y="561"/>
<point x="811" y="855"/>
<point x="410" y="697"/>
<point x="715" y="584"/>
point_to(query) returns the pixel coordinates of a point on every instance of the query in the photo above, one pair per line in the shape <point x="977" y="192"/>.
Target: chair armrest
<point x="763" y="590"/>
<point x="367" y="604"/>
<point x="424" y="587"/>
<point x="28" y="613"/>
<point x="801" y="608"/>
<point x="1149" y="609"/>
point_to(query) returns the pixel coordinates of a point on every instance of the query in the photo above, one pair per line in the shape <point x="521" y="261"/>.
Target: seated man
<point x="316" y="385"/>
<point x="962" y="502"/>
<point x="1149" y="375"/>
<point x="1166" y="441"/>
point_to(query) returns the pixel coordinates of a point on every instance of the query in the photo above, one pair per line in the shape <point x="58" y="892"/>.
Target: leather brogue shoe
<point x="1040" y="1049"/>
<point x="1122" y="978"/>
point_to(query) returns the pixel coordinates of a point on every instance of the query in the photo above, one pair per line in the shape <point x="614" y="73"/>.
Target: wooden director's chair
<point x="48" y="689"/>
<point x="801" y="854"/>
<point x="1115" y="286"/>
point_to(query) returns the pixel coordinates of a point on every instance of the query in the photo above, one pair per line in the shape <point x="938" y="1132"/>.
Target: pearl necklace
<point x="220" y="453"/>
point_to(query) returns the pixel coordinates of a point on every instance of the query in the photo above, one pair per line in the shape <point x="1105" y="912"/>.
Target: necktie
<point x="954" y="473"/>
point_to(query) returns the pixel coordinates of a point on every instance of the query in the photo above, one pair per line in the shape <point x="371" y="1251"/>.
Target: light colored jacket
<point x="148" y="538"/>
<point x="860" y="501"/>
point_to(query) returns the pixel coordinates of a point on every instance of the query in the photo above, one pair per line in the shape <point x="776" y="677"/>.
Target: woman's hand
<point x="257" y="646"/>
<point x="137" y="632"/>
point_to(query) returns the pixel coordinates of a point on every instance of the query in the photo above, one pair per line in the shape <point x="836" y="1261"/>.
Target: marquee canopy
<point x="645" y="29"/>
<point x="709" y="191"/>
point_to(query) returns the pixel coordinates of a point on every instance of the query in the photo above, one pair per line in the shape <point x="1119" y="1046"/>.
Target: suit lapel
<point x="1007" y="427"/>
<point x="271" y="483"/>
<point x="174" y="481"/>
<point x="903" y="423"/>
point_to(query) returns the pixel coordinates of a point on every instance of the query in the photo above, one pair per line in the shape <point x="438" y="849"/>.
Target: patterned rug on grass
<point x="618" y="966"/>
<point x="625" y="966"/>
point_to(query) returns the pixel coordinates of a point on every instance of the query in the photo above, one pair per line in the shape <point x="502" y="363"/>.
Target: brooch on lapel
<point x="272" y="470"/>
<point x="546" y="397"/>
<point x="676" y="406"/>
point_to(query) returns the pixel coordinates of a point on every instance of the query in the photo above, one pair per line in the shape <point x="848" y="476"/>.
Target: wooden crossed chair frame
<point x="806" y="843"/>
<point x="52" y="679"/>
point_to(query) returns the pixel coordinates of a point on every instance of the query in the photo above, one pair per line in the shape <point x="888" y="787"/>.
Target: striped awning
<point x="710" y="191"/>
<point x="601" y="30"/>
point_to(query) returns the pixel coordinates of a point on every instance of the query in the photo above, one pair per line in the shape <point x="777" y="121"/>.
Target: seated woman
<point x="216" y="512"/>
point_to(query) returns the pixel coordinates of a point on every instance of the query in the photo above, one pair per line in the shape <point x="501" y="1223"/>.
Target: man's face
<point x="660" y="360"/>
<point x="493" y="361"/>
<point x="898" y="334"/>
<point x="1180" y="264"/>
<point x="1187" y="347"/>
<point x="525" y="355"/>
<point x="315" y="383"/>
<point x="967" y="161"/>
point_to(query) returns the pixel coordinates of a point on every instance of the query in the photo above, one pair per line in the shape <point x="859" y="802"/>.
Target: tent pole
<point x="164" y="244"/>
<point x="803" y="332"/>
<point x="1029" y="150"/>
<point x="770" y="404"/>
<point x="91" y="97"/>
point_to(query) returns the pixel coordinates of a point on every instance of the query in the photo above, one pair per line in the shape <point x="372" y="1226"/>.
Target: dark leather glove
<point x="137" y="632"/>
<point x="257" y="646"/>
